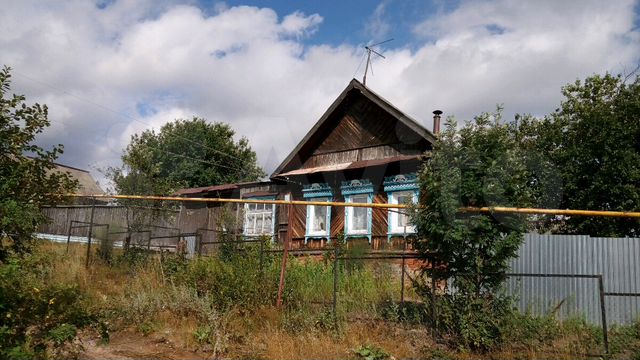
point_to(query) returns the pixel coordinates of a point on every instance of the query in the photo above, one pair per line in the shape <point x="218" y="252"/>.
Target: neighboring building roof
<point x="88" y="185"/>
<point x="206" y="189"/>
<point x="221" y="187"/>
<point x="356" y="86"/>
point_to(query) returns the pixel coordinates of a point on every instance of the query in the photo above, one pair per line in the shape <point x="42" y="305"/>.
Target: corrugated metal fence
<point x="616" y="259"/>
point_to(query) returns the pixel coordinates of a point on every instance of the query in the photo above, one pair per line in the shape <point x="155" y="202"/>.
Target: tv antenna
<point x="370" y="50"/>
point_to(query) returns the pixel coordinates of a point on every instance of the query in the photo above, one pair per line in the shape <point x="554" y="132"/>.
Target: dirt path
<point x="129" y="345"/>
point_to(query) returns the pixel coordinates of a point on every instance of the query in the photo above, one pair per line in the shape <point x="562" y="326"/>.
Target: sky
<point x="108" y="69"/>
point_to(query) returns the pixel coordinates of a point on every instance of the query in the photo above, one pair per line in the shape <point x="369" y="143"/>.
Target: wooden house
<point x="362" y="150"/>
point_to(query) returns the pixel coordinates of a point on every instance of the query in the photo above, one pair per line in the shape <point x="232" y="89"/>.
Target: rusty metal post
<point x="69" y="235"/>
<point x="261" y="259"/>
<point x="285" y="255"/>
<point x="336" y="253"/>
<point x="107" y="239"/>
<point x="199" y="242"/>
<point x="434" y="314"/>
<point x="404" y="249"/>
<point x="236" y="229"/>
<point x="603" y="315"/>
<point x="93" y="208"/>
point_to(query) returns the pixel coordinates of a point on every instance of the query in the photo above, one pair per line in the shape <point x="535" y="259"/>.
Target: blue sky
<point x="352" y="21"/>
<point x="108" y="69"/>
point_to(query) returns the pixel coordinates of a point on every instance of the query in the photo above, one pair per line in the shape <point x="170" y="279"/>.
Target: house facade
<point x="362" y="150"/>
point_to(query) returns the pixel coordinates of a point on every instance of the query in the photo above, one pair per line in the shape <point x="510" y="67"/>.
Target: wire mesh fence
<point x="347" y="277"/>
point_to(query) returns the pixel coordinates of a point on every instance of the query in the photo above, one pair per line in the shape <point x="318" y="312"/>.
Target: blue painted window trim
<point x="399" y="183"/>
<point x="273" y="217"/>
<point x="311" y="192"/>
<point x="357" y="187"/>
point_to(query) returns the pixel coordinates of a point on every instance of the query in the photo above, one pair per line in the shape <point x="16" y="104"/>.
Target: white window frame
<point x="349" y="231"/>
<point x="394" y="215"/>
<point x="248" y="213"/>
<point x="311" y="209"/>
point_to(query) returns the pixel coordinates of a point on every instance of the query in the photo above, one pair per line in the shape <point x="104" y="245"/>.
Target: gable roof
<point x="357" y="86"/>
<point x="87" y="184"/>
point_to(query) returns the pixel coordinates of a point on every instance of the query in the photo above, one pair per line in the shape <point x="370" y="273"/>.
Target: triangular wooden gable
<point x="358" y="119"/>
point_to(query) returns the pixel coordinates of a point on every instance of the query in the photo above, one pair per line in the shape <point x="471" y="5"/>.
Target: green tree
<point x="479" y="165"/>
<point x="184" y="153"/>
<point x="26" y="182"/>
<point x="476" y="166"/>
<point x="593" y="140"/>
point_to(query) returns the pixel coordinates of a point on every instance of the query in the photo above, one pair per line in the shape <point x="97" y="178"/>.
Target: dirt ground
<point x="131" y="345"/>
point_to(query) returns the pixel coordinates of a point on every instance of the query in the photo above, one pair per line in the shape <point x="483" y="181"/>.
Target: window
<point x="258" y="219"/>
<point x="358" y="219"/>
<point x="400" y="189"/>
<point x="318" y="223"/>
<point x="398" y="218"/>
<point x="358" y="216"/>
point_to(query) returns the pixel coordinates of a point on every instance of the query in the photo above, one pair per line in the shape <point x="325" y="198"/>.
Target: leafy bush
<point x="133" y="257"/>
<point x="35" y="309"/>
<point x="238" y="281"/>
<point x="63" y="333"/>
<point x="474" y="323"/>
<point x="371" y="352"/>
<point x="625" y="340"/>
<point x="438" y="353"/>
<point x="531" y="331"/>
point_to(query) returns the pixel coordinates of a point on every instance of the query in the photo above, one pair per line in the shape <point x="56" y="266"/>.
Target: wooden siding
<point x="369" y="153"/>
<point x="364" y="124"/>
<point x="379" y="216"/>
<point x="358" y="130"/>
<point x="299" y="220"/>
<point x="114" y="216"/>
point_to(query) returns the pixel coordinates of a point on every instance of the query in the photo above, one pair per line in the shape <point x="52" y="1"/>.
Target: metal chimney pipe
<point x="436" y="122"/>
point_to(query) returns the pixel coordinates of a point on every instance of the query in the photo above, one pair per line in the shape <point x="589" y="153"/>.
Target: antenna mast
<point x="370" y="50"/>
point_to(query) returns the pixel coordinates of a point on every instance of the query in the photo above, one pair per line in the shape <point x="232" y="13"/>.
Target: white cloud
<point x="299" y="25"/>
<point x="377" y="27"/>
<point x="106" y="73"/>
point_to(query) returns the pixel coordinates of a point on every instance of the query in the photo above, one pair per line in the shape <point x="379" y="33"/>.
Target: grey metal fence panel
<point x="616" y="259"/>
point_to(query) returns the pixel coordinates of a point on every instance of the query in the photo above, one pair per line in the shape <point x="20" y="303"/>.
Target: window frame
<point x="349" y="190"/>
<point x="393" y="186"/>
<point x="309" y="232"/>
<point x="394" y="215"/>
<point x="313" y="192"/>
<point x="248" y="212"/>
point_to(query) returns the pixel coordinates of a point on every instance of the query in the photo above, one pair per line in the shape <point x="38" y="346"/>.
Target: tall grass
<point x="225" y="305"/>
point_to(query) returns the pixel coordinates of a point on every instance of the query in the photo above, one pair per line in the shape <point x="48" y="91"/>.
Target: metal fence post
<point x="93" y="208"/>
<point x="109" y="244"/>
<point x="336" y="253"/>
<point x="404" y="249"/>
<point x="434" y="315"/>
<point x="261" y="259"/>
<point x="69" y="235"/>
<point x="605" y="331"/>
